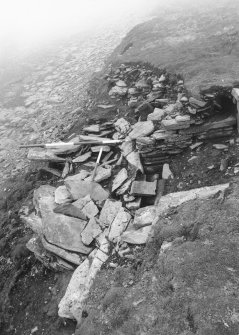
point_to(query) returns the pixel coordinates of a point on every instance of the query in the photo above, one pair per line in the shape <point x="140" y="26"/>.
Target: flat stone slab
<point x="70" y="210"/>
<point x="62" y="196"/>
<point x="138" y="237"/>
<point x="87" y="206"/>
<point x="119" y="179"/>
<point x="143" y="188"/>
<point x="109" y="211"/>
<point x="91" y="231"/>
<point x="61" y="230"/>
<point x="82" y="158"/>
<point x="119" y="224"/>
<point x="36" y="154"/>
<point x="95" y="128"/>
<point x="141" y="129"/>
<point x="144" y="216"/>
<point x="79" y="189"/>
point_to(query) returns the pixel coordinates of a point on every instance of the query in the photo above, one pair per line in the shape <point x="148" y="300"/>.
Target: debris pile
<point x="109" y="194"/>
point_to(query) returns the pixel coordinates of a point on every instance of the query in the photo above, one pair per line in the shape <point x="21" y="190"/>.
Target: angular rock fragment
<point x="91" y="231"/>
<point x="119" y="224"/>
<point x="62" y="196"/>
<point x="173" y="200"/>
<point x="220" y="146"/>
<point x="101" y="174"/>
<point x="134" y="205"/>
<point x="82" y="158"/>
<point x="138" y="237"/>
<point x="120" y="91"/>
<point x="122" y="126"/>
<point x="144" y="216"/>
<point x="79" y="189"/>
<point x="124" y="187"/>
<point x="61" y="230"/>
<point x="87" y="206"/>
<point x="134" y="159"/>
<point x="167" y="173"/>
<point x="79" y="176"/>
<point x="95" y="128"/>
<point x="157" y="115"/>
<point x="141" y="129"/>
<point x="119" y="179"/>
<point x="108" y="212"/>
<point x="143" y="188"/>
<point x="70" y="210"/>
<point x="67" y="255"/>
<point x="71" y="305"/>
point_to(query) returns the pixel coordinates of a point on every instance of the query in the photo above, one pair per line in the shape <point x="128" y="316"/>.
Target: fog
<point x="26" y="24"/>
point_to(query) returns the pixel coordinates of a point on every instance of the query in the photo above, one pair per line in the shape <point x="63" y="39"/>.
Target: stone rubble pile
<point x="96" y="210"/>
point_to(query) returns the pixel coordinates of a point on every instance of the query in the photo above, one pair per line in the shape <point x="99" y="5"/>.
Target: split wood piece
<point x="97" y="163"/>
<point x="36" y="154"/>
<point x="159" y="191"/>
<point x="143" y="188"/>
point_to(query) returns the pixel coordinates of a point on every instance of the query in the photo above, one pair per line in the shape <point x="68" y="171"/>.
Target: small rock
<point x="196" y="145"/>
<point x="119" y="179"/>
<point x="192" y="158"/>
<point x="82" y="158"/>
<point x="224" y="164"/>
<point x="220" y="146"/>
<point x="91" y="231"/>
<point x="62" y="196"/>
<point x="167" y="173"/>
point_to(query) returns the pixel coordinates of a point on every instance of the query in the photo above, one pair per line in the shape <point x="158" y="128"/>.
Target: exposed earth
<point x="192" y="286"/>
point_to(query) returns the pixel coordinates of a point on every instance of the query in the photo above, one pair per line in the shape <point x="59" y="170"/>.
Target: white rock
<point x="119" y="179"/>
<point x="220" y="146"/>
<point x="167" y="173"/>
<point x="62" y="196"/>
<point x="119" y="224"/>
<point x="139" y="236"/>
<point x="157" y="115"/>
<point x="109" y="212"/>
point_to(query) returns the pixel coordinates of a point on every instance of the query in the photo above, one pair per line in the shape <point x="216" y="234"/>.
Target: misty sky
<point x="23" y="22"/>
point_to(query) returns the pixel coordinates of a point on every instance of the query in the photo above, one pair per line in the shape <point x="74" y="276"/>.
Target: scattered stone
<point x="138" y="237"/>
<point x="105" y="107"/>
<point x="220" y="146"/>
<point x="224" y="164"/>
<point x="134" y="205"/>
<point x="82" y="158"/>
<point x="141" y="129"/>
<point x="101" y="174"/>
<point x="196" y="145"/>
<point x="62" y="196"/>
<point x="91" y="231"/>
<point x="108" y="212"/>
<point x="193" y="158"/>
<point x="184" y="99"/>
<point x="97" y="148"/>
<point x="58" y="229"/>
<point x="143" y="188"/>
<point x="122" y="126"/>
<point x="144" y="216"/>
<point x="128" y="198"/>
<point x="134" y="160"/>
<point x="67" y="255"/>
<point x="157" y="115"/>
<point x="120" y="91"/>
<point x="87" y="206"/>
<point x="121" y="83"/>
<point x="119" y="224"/>
<point x="95" y="128"/>
<point x="119" y="179"/>
<point x="124" y="187"/>
<point x="78" y="177"/>
<point x="70" y="210"/>
<point x="167" y="173"/>
<point x="143" y="110"/>
<point x="79" y="189"/>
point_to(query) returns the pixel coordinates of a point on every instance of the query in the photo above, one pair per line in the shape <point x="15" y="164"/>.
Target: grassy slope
<point x="201" y="43"/>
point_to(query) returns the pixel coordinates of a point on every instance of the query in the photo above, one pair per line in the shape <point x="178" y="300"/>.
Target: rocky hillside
<point x="201" y="43"/>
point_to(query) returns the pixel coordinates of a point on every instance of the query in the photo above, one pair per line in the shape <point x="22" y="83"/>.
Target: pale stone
<point x="122" y="126"/>
<point x="87" y="206"/>
<point x="62" y="196"/>
<point x="220" y="146"/>
<point x="157" y="115"/>
<point x="101" y="174"/>
<point x="119" y="179"/>
<point x="38" y="154"/>
<point x="69" y="256"/>
<point x="97" y="148"/>
<point x="90" y="232"/>
<point x="79" y="176"/>
<point x="61" y="230"/>
<point x="71" y="305"/>
<point x="134" y="159"/>
<point x="108" y="212"/>
<point x="95" y="128"/>
<point x="144" y="216"/>
<point x="79" y="189"/>
<point x="141" y="129"/>
<point x="139" y="236"/>
<point x="82" y="158"/>
<point x="119" y="224"/>
<point x="167" y="173"/>
<point x="124" y="187"/>
<point x="121" y="83"/>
